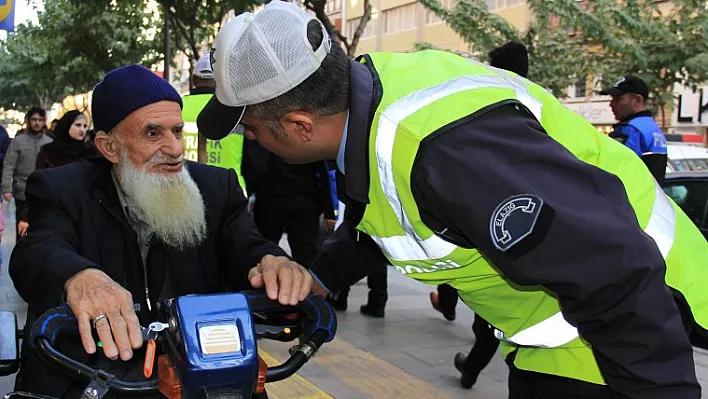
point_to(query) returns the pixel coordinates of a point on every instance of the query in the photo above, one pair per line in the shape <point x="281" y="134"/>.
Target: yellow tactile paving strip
<point x="373" y="377"/>
<point x="293" y="387"/>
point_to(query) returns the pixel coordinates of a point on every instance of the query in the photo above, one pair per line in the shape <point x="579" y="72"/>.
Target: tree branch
<point x="351" y="48"/>
<point x="182" y="31"/>
<point x="192" y="40"/>
<point x="318" y="7"/>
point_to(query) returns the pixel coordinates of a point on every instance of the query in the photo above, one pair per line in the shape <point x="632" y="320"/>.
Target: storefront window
<point x="580" y="88"/>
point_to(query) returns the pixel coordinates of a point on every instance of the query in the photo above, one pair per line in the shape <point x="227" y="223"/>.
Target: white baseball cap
<point x="257" y="58"/>
<point x="203" y="68"/>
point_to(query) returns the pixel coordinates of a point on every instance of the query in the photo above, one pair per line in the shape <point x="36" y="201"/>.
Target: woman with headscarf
<point x="69" y="145"/>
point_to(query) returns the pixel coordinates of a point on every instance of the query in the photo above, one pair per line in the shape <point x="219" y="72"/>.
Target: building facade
<point x="397" y="25"/>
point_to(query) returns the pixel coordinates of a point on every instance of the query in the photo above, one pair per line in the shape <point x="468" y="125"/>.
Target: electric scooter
<point x="209" y="346"/>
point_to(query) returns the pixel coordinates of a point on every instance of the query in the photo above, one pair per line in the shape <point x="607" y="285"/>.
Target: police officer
<point x="636" y="128"/>
<point x="231" y="147"/>
<point x="464" y="174"/>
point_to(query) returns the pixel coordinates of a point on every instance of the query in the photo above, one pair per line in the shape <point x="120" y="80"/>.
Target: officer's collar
<point x="364" y="97"/>
<point x="202" y="90"/>
<point x="629" y="118"/>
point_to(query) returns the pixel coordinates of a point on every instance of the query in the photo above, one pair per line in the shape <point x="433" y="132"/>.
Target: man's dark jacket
<point x="76" y="223"/>
<point x="267" y="174"/>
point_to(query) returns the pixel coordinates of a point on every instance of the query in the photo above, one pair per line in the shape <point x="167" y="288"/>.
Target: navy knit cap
<point x="125" y="90"/>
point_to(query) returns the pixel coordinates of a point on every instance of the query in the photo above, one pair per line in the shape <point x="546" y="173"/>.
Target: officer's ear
<point x="300" y="124"/>
<point x="642" y="101"/>
<point x="108" y="145"/>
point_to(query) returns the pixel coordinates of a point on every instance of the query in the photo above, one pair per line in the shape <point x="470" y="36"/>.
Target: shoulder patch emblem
<point x="514" y="219"/>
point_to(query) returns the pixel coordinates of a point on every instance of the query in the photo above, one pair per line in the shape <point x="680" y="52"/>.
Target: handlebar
<point x="297" y="359"/>
<point x="320" y="326"/>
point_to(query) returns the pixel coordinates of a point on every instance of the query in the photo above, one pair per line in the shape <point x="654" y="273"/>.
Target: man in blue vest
<point x="636" y="128"/>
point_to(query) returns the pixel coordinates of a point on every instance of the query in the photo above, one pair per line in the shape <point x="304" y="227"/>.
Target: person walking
<point x="21" y="158"/>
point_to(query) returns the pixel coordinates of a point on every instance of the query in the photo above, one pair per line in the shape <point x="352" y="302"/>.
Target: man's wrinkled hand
<point x="284" y="280"/>
<point x="91" y="293"/>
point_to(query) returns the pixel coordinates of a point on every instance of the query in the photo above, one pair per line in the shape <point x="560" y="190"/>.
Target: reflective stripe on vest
<point x="551" y="332"/>
<point x="411" y="246"/>
<point x="662" y="223"/>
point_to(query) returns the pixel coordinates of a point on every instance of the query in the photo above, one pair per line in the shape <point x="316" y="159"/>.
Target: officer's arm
<point x="629" y="136"/>
<point x="608" y="274"/>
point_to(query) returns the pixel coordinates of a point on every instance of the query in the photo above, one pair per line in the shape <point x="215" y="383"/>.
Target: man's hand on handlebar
<point x="284" y="280"/>
<point x="92" y="294"/>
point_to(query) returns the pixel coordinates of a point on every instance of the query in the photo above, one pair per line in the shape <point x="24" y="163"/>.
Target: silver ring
<point x="99" y="317"/>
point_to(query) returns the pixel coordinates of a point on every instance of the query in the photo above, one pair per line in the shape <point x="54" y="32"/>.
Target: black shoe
<point x="372" y="311"/>
<point x="467" y="380"/>
<point x="435" y="301"/>
<point x="339" y="304"/>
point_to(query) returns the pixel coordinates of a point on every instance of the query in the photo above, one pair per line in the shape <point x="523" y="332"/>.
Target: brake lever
<point x="278" y="333"/>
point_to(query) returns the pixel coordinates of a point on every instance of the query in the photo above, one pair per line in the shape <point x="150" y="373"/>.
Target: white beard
<point x="171" y="206"/>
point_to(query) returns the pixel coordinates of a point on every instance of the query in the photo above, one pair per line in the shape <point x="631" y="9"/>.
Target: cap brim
<point x="612" y="91"/>
<point x="217" y="120"/>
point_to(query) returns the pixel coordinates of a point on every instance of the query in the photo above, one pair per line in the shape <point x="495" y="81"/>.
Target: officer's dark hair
<point x="36" y="110"/>
<point x="325" y="92"/>
<point x="512" y="57"/>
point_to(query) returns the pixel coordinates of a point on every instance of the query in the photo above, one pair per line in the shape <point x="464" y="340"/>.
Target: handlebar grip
<point x="61" y="320"/>
<point x="53" y="322"/>
<point x="315" y="307"/>
<point x="49" y="354"/>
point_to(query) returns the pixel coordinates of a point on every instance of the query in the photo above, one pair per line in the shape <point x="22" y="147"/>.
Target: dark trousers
<point x="19" y="215"/>
<point x="297" y="215"/>
<point x="447" y="297"/>
<point x="531" y="385"/>
<point x="485" y="346"/>
<point x="378" y="289"/>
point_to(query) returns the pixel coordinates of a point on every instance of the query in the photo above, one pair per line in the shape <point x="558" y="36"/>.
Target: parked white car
<point x="686" y="181"/>
<point x="685" y="157"/>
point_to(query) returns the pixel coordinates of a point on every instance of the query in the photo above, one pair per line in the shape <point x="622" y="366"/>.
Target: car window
<point x="691" y="196"/>
<point x="687" y="165"/>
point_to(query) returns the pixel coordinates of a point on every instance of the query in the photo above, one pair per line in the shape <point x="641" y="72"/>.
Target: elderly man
<point x="134" y="228"/>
